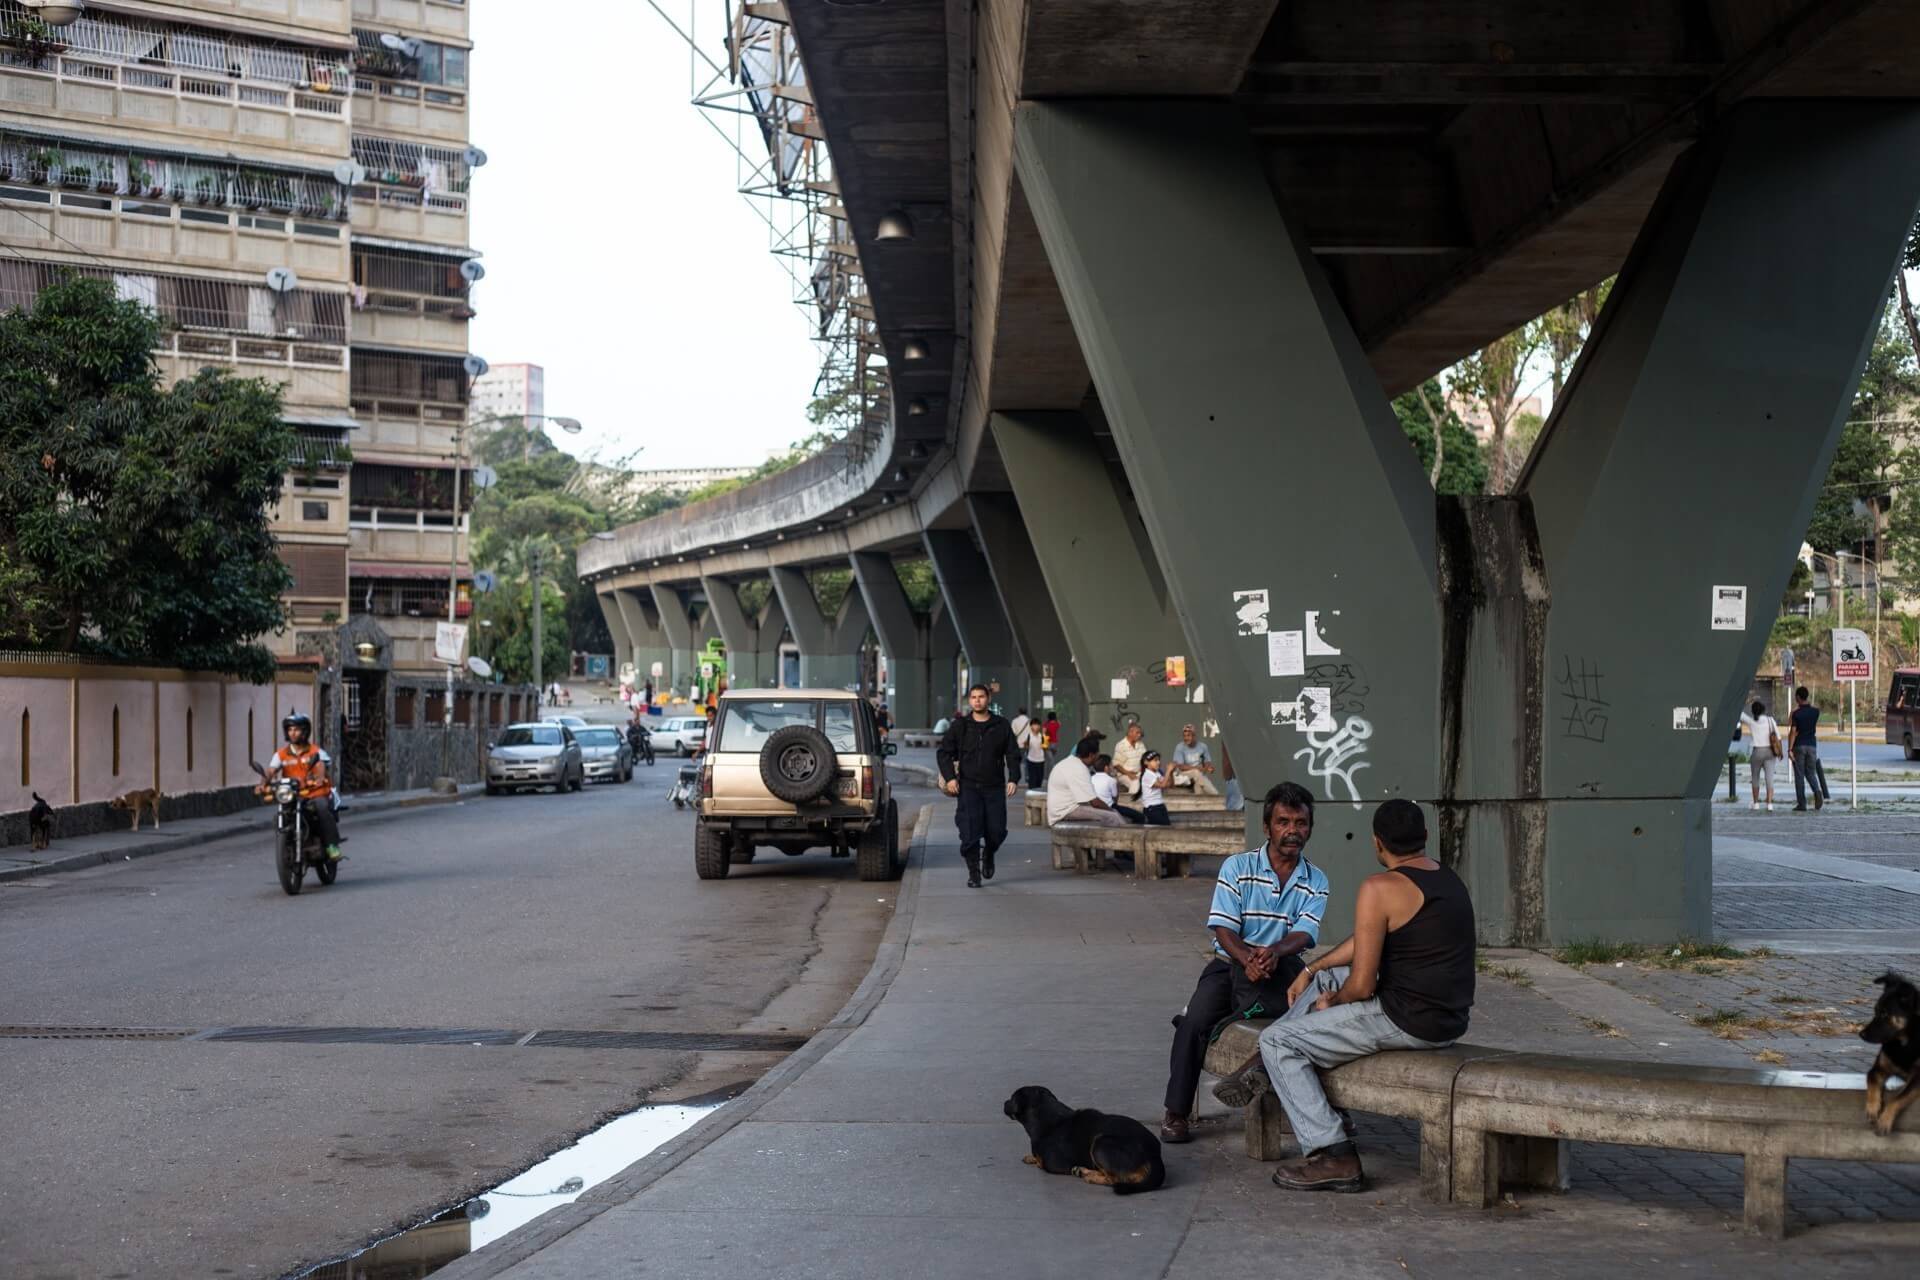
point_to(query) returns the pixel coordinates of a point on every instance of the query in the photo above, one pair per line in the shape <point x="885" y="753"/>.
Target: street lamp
<point x="56" y="13"/>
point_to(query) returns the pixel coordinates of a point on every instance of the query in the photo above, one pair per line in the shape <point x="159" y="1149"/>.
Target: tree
<point x="509" y="637"/>
<point x="1567" y="328"/>
<point x="1493" y="375"/>
<point x="1462" y="469"/>
<point x="134" y="520"/>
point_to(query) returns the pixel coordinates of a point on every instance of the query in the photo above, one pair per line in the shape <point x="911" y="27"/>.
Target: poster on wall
<point x="1176" y="672"/>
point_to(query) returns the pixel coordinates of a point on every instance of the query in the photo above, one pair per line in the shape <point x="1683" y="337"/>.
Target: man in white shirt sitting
<point x="1070" y="795"/>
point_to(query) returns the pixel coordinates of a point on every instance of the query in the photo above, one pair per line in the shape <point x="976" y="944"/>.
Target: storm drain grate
<point x="715" y="1041"/>
<point x="364" y="1035"/>
<point x="92" y="1033"/>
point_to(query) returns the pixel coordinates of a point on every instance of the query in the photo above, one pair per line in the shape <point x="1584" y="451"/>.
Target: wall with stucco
<point x="36" y="746"/>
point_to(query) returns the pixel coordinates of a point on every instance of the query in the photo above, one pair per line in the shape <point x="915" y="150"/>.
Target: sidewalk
<point x="20" y="862"/>
<point x="881" y="1149"/>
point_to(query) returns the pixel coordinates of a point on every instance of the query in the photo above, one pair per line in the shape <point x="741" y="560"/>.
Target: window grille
<point x="53" y="161"/>
<point x="394" y="376"/>
<point x="194" y="303"/>
<point x="100" y="37"/>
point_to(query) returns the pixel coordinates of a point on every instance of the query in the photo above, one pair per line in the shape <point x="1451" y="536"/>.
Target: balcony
<point x="417" y="17"/>
<point x="380" y="535"/>
<point x="313" y="375"/>
<point x="398" y="427"/>
<point x="328" y="15"/>
<point x="155" y="232"/>
<point x="391" y="106"/>
<point x="179" y="80"/>
<point x="403" y="213"/>
<point x="409" y="298"/>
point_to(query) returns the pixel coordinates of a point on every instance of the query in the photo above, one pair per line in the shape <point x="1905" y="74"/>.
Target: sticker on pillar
<point x="1316" y="710"/>
<point x="1046" y="675"/>
<point x="1318" y="646"/>
<point x="1286" y="715"/>
<point x="1176" y="673"/>
<point x="1729" y="608"/>
<point x="1689" y="717"/>
<point x="1210" y="728"/>
<point x="1046" y="683"/>
<point x="1250" y="612"/>
<point x="1119" y="690"/>
<point x="659" y="669"/>
<point x="1046" y="702"/>
<point x="1197" y="693"/>
<point x="1286" y="653"/>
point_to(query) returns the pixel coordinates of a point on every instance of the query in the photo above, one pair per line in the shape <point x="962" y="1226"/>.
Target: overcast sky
<point x="619" y="253"/>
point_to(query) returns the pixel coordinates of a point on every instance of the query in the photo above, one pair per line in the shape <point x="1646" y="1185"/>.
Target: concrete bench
<point x="1157" y="851"/>
<point x="1765" y="1117"/>
<point x="919" y="739"/>
<point x="1177" y="802"/>
<point x="1416" y="1085"/>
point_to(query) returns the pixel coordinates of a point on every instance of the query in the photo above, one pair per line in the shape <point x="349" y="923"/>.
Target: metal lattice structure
<point x="757" y="100"/>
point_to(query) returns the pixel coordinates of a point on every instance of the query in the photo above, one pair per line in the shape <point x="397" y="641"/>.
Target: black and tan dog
<point x="40" y="822"/>
<point x="1108" y="1151"/>
<point x="1895" y="1027"/>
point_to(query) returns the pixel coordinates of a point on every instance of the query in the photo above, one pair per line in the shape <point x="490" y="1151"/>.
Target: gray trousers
<point x="1293" y="1046"/>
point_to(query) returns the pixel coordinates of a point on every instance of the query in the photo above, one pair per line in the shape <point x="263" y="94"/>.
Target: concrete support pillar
<point x="617" y="628"/>
<point x="772" y="629"/>
<point x="676" y="622"/>
<point x="822" y="664"/>
<point x="1038" y="637"/>
<point x="973" y="605"/>
<point x="903" y="637"/>
<point x="738" y="632"/>
<point x="1535" y="668"/>
<point x="943" y="661"/>
<point x="649" y="638"/>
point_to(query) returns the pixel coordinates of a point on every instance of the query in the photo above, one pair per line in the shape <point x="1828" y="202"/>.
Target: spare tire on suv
<point x="797" y="763"/>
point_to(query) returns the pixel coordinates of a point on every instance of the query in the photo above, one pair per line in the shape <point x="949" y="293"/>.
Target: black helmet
<point x="293" y="718"/>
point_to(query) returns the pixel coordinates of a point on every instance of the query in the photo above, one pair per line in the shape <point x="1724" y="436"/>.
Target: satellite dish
<point x="406" y="46"/>
<point x="349" y="173"/>
<point x="471" y="270"/>
<point x="282" y="279"/>
<point x="474" y="365"/>
<point x="479" y="667"/>
<point x="475" y="157"/>
<point x="485" y="478"/>
<point x="483" y="582"/>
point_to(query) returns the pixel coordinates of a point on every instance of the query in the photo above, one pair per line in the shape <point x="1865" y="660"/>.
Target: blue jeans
<point x="1293" y="1046"/>
<point x="1808" y="771"/>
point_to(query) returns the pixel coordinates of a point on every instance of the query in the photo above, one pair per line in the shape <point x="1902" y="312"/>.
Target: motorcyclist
<point x="640" y="739"/>
<point x="306" y="764"/>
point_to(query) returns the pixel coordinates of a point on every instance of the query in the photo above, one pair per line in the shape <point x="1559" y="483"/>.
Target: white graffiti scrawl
<point x="1335" y="754"/>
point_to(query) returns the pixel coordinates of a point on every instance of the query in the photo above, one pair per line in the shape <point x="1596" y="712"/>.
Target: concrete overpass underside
<point x="1171" y="261"/>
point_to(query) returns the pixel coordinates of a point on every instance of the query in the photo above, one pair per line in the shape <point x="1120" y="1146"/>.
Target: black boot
<point x="973" y="869"/>
<point x="986" y="865"/>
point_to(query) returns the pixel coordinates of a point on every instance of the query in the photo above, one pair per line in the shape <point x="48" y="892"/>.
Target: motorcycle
<point x="642" y="743"/>
<point x="297" y="844"/>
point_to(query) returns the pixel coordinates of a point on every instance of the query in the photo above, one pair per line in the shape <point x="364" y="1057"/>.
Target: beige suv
<point x="796" y="769"/>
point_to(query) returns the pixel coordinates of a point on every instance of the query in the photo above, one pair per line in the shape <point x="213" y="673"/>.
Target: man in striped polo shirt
<point x="1267" y="907"/>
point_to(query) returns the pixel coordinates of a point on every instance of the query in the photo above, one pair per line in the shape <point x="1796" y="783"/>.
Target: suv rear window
<point x="745" y="726"/>
<point x="836" y="721"/>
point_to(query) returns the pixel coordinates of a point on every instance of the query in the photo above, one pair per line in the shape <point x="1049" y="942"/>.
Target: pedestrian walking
<point x="1053" y="732"/>
<point x="1763" y="732"/>
<point x="1808" y="772"/>
<point x="980" y="765"/>
<point x="1035" y="744"/>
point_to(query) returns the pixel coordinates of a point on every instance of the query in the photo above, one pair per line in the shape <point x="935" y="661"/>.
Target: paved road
<point x="557" y="912"/>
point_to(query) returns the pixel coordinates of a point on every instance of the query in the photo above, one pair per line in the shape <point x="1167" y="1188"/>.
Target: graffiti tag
<point x="1336" y="755"/>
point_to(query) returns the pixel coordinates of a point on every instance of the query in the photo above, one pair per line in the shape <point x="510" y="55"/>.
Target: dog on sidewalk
<point x="1107" y="1151"/>
<point x="40" y="822"/>
<point x="149" y="798"/>
<point x="1895" y="1027"/>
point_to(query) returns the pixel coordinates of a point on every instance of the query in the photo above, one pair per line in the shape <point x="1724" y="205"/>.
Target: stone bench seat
<point x="1157" y="851"/>
<point x="1177" y="802"/>
<point x="1492" y="1119"/>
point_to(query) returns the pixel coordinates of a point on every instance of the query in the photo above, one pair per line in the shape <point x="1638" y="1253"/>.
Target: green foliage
<point x="508" y="642"/>
<point x="134" y="520"/>
<point x="830" y="588"/>
<point x="916" y="577"/>
<point x="1797" y="584"/>
<point x="754" y="596"/>
<point x="771" y="467"/>
<point x="1463" y="469"/>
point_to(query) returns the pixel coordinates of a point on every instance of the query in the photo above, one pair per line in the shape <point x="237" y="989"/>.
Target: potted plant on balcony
<point x="40" y="164"/>
<point x="143" y="178"/>
<point x="76" y="177"/>
<point x="6" y="167"/>
<point x="206" y="192"/>
<point x="106" y="182"/>
<point x="247" y="191"/>
<point x="34" y="38"/>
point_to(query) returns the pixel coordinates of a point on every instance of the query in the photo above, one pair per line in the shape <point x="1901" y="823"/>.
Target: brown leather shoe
<point x="1323" y="1170"/>
<point x="1244" y="1084"/>
<point x="1174" y="1128"/>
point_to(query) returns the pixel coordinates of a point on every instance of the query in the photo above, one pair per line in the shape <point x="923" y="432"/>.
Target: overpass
<point x="1167" y="265"/>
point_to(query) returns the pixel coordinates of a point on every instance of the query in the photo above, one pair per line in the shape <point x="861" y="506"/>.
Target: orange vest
<point x="300" y="764"/>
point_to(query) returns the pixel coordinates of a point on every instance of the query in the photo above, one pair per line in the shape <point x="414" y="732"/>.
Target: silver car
<point x="605" y="753"/>
<point x="682" y="735"/>
<point x="535" y="755"/>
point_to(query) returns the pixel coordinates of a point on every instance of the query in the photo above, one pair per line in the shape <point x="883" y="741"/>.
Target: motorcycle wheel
<point x="327" y="869"/>
<point x="287" y="861"/>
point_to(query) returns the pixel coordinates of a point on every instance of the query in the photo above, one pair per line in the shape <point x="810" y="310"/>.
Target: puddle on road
<point x="559" y="1179"/>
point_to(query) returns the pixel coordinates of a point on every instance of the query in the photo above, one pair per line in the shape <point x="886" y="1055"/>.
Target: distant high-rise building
<point x="508" y="390"/>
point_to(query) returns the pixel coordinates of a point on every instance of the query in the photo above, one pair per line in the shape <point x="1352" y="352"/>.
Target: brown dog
<point x="136" y="800"/>
<point x="1895" y="1027"/>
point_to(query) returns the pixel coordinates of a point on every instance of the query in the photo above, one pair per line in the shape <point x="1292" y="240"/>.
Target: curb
<point x="526" y="1241"/>
<point x="193" y="839"/>
<point x="921" y="774"/>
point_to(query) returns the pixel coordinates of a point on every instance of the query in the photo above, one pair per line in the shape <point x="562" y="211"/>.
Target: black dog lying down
<point x="1895" y="1027"/>
<point x="1108" y="1151"/>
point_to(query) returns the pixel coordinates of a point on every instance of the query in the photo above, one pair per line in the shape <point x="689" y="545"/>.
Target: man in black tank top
<point x="1404" y="980"/>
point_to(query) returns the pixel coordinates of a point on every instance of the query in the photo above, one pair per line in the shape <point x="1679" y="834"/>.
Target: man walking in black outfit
<point x="979" y="763"/>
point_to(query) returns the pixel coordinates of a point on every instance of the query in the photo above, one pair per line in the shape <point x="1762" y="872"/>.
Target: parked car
<point x="605" y="754"/>
<point x="572" y="722"/>
<point x="535" y="755"/>
<point x="1903" y="711"/>
<point x="796" y="769"/>
<point x="681" y="734"/>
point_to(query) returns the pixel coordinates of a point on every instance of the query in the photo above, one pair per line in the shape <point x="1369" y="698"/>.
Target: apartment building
<point x="194" y="152"/>
<point x="509" y="391"/>
<point x="412" y="279"/>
